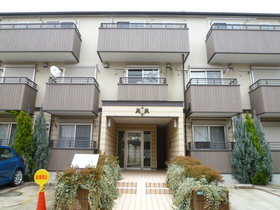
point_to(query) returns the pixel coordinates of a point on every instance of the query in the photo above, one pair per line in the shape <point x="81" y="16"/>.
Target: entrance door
<point x="134" y="151"/>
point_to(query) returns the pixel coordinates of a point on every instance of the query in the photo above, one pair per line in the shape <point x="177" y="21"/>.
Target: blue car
<point x="12" y="167"/>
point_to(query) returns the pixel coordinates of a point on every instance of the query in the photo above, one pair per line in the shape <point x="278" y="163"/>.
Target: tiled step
<point x="142" y="188"/>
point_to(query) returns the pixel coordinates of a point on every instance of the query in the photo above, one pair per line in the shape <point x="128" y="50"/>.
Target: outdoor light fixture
<point x="46" y="65"/>
<point x="142" y="110"/>
<point x="109" y="122"/>
<point x="169" y="66"/>
<point x="230" y="67"/>
<point x="175" y="123"/>
<point x="106" y="65"/>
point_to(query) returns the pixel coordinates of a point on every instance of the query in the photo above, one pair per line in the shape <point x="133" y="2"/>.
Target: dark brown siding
<point x="157" y="92"/>
<point x="17" y="97"/>
<point x="214" y="99"/>
<point x="265" y="99"/>
<point x="143" y="40"/>
<point x="71" y="97"/>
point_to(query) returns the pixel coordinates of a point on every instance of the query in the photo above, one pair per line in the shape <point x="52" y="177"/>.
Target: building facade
<point x="144" y="86"/>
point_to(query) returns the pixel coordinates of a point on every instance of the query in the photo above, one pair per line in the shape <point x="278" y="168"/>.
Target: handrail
<point x="18" y="80"/>
<point x="22" y="26"/>
<point x="73" y="80"/>
<point x="144" y="25"/>
<point x="206" y="145"/>
<point x="142" y="80"/>
<point x="212" y="81"/>
<point x="264" y="82"/>
<point x="254" y="27"/>
<point x="73" y="144"/>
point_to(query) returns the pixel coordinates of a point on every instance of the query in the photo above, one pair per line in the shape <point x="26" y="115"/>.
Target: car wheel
<point x="17" y="179"/>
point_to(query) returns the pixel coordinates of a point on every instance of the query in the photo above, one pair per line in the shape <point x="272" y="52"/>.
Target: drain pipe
<point x="99" y="132"/>
<point x="185" y="106"/>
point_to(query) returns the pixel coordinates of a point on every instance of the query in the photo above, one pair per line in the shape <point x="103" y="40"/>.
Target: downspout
<point x="99" y="132"/>
<point x="185" y="106"/>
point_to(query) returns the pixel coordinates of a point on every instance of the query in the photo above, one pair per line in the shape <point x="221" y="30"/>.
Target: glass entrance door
<point x="134" y="150"/>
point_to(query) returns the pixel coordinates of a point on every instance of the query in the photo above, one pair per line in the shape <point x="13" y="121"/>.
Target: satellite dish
<point x="55" y="71"/>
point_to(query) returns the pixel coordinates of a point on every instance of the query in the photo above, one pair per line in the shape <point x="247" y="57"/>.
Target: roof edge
<point x="139" y="13"/>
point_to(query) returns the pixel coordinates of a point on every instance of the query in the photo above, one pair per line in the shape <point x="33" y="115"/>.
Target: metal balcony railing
<point x="200" y="145"/>
<point x="142" y="80"/>
<point x="6" y="142"/>
<point x="18" y="80"/>
<point x="265" y="82"/>
<point x="73" y="80"/>
<point x="225" y="26"/>
<point x="212" y="81"/>
<point x="22" y="26"/>
<point x="73" y="144"/>
<point x="144" y="25"/>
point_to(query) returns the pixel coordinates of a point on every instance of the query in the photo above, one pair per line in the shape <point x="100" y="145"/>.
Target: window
<point x="209" y="137"/>
<point x="75" y="136"/>
<point x="5" y="154"/>
<point x="266" y="26"/>
<point x="19" y="71"/>
<point x="205" y="77"/>
<point x="169" y="24"/>
<point x="123" y="24"/>
<point x="7" y="134"/>
<point x="147" y="76"/>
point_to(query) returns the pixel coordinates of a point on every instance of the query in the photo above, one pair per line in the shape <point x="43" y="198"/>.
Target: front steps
<point x="142" y="188"/>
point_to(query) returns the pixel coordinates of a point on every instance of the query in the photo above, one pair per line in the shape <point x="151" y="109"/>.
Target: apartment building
<point x="144" y="86"/>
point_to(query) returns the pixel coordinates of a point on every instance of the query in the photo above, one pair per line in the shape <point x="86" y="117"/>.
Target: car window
<point x="5" y="154"/>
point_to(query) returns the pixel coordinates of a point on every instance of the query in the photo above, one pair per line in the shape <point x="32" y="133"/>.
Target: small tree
<point x="244" y="157"/>
<point x="264" y="175"/>
<point x="40" y="143"/>
<point x="23" y="141"/>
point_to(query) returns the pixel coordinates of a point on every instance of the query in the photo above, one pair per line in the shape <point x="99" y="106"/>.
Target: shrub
<point x="201" y="171"/>
<point x="186" y="174"/>
<point x="100" y="182"/>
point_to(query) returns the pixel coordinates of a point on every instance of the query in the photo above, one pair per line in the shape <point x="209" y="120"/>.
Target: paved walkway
<point x="147" y="193"/>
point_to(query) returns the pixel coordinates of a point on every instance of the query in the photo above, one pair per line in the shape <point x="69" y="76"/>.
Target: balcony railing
<point x="6" y="142"/>
<point x="19" y="80"/>
<point x="73" y="80"/>
<point x="142" y="80"/>
<point x="73" y="144"/>
<point x="212" y="81"/>
<point x="225" y="26"/>
<point x="200" y="145"/>
<point x="23" y="26"/>
<point x="143" y="25"/>
<point x="265" y="82"/>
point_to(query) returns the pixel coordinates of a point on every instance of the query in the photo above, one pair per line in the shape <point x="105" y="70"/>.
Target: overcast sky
<point x="251" y="6"/>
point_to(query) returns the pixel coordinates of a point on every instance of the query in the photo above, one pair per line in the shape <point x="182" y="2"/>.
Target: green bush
<point x="186" y="174"/>
<point x="100" y="182"/>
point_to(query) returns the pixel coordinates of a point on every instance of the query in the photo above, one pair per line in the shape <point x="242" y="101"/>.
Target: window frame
<point x="73" y="141"/>
<point x="209" y="144"/>
<point x="148" y="80"/>
<point x="10" y="129"/>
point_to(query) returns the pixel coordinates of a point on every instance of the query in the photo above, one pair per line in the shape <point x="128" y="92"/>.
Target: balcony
<point x="215" y="97"/>
<point x="143" y="42"/>
<point x="17" y="93"/>
<point x="239" y="43"/>
<point x="40" y="42"/>
<point x="143" y="89"/>
<point x="265" y="97"/>
<point x="72" y="96"/>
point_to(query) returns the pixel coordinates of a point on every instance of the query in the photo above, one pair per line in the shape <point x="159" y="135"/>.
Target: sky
<point x="247" y="6"/>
